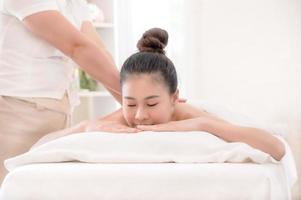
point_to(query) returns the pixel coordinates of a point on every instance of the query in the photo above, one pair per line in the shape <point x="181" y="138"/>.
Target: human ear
<point x="175" y="97"/>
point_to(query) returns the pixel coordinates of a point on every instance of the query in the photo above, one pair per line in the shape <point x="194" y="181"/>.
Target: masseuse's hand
<point x="182" y="100"/>
<point x="195" y="124"/>
<point x="109" y="126"/>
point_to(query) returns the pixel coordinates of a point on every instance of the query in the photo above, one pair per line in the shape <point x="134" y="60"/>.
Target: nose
<point x="141" y="115"/>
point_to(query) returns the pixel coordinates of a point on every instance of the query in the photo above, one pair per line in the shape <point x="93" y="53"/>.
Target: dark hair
<point x="151" y="59"/>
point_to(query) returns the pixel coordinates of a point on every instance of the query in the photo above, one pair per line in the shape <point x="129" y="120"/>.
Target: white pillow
<point x="143" y="147"/>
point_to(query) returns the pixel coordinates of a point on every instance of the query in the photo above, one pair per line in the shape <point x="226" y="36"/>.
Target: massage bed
<point x="151" y="165"/>
<point x="148" y="165"/>
<point x="146" y="181"/>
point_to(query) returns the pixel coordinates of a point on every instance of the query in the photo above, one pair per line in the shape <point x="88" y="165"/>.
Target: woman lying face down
<point x="149" y="82"/>
<point x="150" y="103"/>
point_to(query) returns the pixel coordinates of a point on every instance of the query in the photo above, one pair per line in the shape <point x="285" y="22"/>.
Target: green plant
<point x="86" y="82"/>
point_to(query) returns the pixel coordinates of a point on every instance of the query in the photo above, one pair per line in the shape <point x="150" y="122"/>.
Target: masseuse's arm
<point x="257" y="138"/>
<point x="88" y="30"/>
<point x="54" y="28"/>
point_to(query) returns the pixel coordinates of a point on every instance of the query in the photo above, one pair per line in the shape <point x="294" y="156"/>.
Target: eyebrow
<point x="146" y="98"/>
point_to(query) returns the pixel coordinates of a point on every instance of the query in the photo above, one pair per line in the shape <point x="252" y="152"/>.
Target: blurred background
<point x="245" y="55"/>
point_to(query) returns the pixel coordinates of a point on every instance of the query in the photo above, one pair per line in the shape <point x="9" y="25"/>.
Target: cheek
<point x="160" y="114"/>
<point x="129" y="115"/>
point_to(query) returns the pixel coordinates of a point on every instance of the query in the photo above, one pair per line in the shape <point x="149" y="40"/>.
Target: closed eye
<point x="131" y="105"/>
<point x="151" y="105"/>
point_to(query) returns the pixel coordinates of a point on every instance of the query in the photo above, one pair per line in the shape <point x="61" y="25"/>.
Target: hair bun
<point x="153" y="40"/>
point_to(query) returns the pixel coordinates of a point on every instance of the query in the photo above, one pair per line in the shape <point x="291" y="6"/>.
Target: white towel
<point x="149" y="147"/>
<point x="144" y="147"/>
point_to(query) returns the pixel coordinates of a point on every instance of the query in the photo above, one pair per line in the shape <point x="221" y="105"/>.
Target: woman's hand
<point x="194" y="124"/>
<point x="109" y="126"/>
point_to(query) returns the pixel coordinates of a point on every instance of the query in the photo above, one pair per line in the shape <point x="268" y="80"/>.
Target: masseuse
<point x="40" y="42"/>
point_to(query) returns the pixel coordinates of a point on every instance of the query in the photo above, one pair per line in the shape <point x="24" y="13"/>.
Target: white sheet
<point x="165" y="181"/>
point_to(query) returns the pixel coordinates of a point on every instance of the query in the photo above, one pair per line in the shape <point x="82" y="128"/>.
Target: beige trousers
<point x="23" y="121"/>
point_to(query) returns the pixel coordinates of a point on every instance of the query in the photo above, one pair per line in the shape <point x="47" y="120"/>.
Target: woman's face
<point x="146" y="100"/>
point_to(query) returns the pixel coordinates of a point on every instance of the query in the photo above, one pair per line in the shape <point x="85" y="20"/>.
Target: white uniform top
<point x="29" y="66"/>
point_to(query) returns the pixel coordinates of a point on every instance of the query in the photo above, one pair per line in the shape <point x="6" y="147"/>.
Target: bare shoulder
<point x="116" y="116"/>
<point x="187" y="111"/>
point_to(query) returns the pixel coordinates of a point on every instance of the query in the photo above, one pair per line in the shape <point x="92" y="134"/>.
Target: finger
<point x="128" y="129"/>
<point x="131" y="130"/>
<point x="124" y="130"/>
<point x="145" y="127"/>
<point x="150" y="127"/>
<point x="181" y="100"/>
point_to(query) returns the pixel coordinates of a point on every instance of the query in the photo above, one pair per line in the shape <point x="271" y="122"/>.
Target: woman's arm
<point x="196" y="120"/>
<point x="113" y="122"/>
<point x="61" y="133"/>
<point x="52" y="27"/>
<point x="257" y="138"/>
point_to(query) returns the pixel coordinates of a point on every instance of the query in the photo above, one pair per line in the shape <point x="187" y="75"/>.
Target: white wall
<point x="249" y="52"/>
<point x="245" y="54"/>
